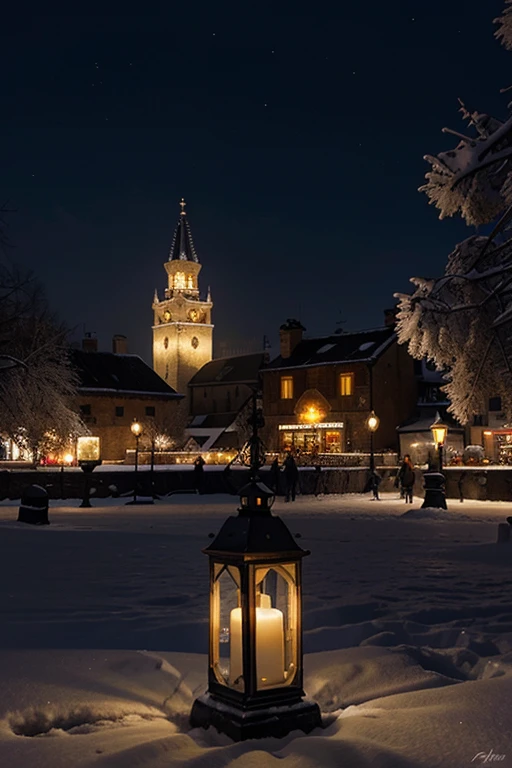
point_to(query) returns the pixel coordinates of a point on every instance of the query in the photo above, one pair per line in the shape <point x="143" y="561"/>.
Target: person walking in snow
<point x="199" y="473"/>
<point x="373" y="485"/>
<point x="406" y="476"/>
<point x="291" y="476"/>
<point x="274" y="474"/>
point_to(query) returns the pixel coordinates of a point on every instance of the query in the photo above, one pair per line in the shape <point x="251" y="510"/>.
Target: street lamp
<point x="372" y="425"/>
<point x="88" y="458"/>
<point x="136" y="428"/>
<point x="255" y="649"/>
<point x="439" y="432"/>
<point x="435" y="496"/>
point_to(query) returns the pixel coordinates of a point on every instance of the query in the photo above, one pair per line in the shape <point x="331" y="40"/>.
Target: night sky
<point x="295" y="135"/>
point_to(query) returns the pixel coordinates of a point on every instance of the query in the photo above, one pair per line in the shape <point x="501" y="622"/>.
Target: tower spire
<point x="182" y="248"/>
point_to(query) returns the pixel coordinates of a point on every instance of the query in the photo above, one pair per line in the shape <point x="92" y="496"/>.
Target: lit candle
<point x="269" y="644"/>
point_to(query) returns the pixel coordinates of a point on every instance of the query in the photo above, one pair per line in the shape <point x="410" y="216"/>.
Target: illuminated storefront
<point x="326" y="437"/>
<point x="498" y="444"/>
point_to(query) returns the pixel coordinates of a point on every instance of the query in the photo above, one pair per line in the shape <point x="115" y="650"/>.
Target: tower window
<point x="150" y="410"/>
<point x="190" y="281"/>
<point x="167" y="371"/>
<point x="286" y="387"/>
<point x="346" y="384"/>
<point x="119" y="410"/>
<point x="179" y="280"/>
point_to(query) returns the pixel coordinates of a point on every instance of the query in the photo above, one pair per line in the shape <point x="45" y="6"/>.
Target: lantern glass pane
<point x="88" y="448"/>
<point x="226" y="627"/>
<point x="439" y="434"/>
<point x="276" y="624"/>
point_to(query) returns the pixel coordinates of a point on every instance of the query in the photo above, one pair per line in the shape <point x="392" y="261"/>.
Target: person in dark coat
<point x="373" y="485"/>
<point x="274" y="475"/>
<point x="291" y="477"/>
<point x="406" y="477"/>
<point x="199" y="473"/>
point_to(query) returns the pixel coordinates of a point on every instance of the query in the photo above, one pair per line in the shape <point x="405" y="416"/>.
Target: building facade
<point x="319" y="393"/>
<point x="219" y="396"/>
<point x="182" y="327"/>
<point x="116" y="388"/>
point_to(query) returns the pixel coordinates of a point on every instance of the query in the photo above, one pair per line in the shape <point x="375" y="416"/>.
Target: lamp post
<point x="255" y="649"/>
<point x="435" y="497"/>
<point x="136" y="428"/>
<point x="88" y="458"/>
<point x="372" y="425"/>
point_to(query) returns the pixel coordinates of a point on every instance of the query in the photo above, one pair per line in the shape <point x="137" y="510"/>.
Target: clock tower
<point x="182" y="327"/>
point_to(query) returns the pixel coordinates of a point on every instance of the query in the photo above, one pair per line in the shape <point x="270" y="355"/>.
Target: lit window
<point x="346" y="384"/>
<point x="179" y="280"/>
<point x="286" y="387"/>
<point x="190" y="281"/>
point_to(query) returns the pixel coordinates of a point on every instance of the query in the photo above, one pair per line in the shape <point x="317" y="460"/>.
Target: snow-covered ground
<point x="408" y="636"/>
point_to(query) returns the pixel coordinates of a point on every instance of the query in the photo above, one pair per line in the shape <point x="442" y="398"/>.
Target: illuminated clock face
<point x="195" y="342"/>
<point x="167" y="316"/>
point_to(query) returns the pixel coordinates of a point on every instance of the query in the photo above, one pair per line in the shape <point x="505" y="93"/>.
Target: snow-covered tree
<point x="166" y="432"/>
<point x="36" y="408"/>
<point x="504" y="22"/>
<point x="462" y="321"/>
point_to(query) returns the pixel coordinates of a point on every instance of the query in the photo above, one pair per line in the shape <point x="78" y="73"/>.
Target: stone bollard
<point x="503" y="533"/>
<point x="34" y="506"/>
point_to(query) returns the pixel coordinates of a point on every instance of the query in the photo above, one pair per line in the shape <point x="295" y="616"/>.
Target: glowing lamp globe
<point x="255" y="649"/>
<point x="372" y="422"/>
<point x="136" y="428"/>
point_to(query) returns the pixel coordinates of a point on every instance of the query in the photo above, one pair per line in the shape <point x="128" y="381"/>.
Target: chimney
<point x="290" y="334"/>
<point x="390" y="317"/>
<point x="89" y="342"/>
<point x="119" y="345"/>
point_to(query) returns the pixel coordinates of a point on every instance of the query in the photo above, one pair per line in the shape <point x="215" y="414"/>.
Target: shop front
<point x="498" y="445"/>
<point x="321" y="437"/>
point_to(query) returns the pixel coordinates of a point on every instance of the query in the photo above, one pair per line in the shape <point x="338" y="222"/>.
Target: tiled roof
<point x="362" y="346"/>
<point x="230" y="370"/>
<point x="108" y="372"/>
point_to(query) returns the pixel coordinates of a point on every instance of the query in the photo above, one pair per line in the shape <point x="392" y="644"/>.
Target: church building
<point x="182" y="327"/>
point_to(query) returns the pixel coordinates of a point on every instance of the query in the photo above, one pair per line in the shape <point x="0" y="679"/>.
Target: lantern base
<point x="242" y="724"/>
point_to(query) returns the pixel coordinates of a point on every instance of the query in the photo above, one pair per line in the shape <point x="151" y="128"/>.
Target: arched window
<point x="179" y="280"/>
<point x="190" y="281"/>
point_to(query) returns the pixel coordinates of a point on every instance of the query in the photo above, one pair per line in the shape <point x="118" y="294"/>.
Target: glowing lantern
<point x="255" y="659"/>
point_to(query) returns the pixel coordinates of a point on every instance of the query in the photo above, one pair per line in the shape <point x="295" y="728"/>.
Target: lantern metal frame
<point x="255" y="539"/>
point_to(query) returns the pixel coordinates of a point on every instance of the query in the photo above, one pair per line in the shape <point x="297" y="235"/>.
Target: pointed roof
<point x="182" y="248"/>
